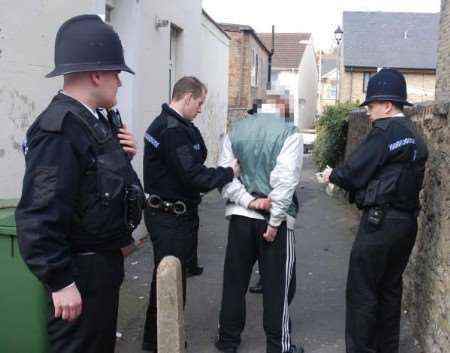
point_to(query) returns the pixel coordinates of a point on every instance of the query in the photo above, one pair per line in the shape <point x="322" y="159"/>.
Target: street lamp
<point x="338" y="33"/>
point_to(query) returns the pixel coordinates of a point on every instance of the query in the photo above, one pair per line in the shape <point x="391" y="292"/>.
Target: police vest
<point x="101" y="209"/>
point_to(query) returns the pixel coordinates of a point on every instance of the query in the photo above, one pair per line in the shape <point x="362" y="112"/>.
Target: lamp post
<point x="338" y="33"/>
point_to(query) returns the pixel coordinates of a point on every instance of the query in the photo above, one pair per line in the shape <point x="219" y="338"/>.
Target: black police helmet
<point x="85" y="43"/>
<point x="387" y="85"/>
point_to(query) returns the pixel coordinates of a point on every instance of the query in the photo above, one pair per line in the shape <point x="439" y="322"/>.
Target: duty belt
<point x="176" y="207"/>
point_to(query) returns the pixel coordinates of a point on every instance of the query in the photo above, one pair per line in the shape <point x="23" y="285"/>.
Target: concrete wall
<point x="421" y="87"/>
<point x="427" y="278"/>
<point x="214" y="72"/>
<point x="308" y="77"/>
<point x="26" y="55"/>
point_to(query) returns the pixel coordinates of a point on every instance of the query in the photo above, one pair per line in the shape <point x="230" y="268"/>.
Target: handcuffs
<point x="177" y="207"/>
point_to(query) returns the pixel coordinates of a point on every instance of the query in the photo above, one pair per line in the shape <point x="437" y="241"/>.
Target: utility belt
<point x="377" y="214"/>
<point x="175" y="207"/>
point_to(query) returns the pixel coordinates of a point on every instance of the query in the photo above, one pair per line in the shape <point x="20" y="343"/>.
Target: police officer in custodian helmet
<point x="384" y="176"/>
<point x="81" y="197"/>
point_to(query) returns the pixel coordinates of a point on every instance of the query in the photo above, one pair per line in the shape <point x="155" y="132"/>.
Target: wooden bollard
<point x="169" y="303"/>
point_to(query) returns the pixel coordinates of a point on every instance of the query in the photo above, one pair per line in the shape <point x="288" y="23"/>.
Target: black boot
<point x="257" y="288"/>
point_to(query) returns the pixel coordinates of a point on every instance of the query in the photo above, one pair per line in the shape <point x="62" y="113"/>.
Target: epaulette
<point x="53" y="117"/>
<point x="172" y="122"/>
<point x="382" y="123"/>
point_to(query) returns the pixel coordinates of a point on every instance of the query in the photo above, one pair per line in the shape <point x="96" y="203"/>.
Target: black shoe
<point x="294" y="349"/>
<point x="195" y="271"/>
<point x="220" y="347"/>
<point x="150" y="347"/>
<point x="257" y="288"/>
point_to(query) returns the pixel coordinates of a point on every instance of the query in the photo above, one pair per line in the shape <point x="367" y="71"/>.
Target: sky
<point x="319" y="17"/>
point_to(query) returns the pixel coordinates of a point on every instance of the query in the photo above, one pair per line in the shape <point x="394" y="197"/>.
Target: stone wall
<point x="443" y="65"/>
<point x="427" y="278"/>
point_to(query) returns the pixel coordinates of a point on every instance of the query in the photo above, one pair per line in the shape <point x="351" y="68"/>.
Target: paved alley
<point x="324" y="233"/>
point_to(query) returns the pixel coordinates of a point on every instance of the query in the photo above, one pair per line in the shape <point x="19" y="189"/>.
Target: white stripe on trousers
<point x="290" y="259"/>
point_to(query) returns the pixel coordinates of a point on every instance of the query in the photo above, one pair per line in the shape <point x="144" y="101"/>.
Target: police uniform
<point x="384" y="176"/>
<point x="174" y="174"/>
<point x="72" y="218"/>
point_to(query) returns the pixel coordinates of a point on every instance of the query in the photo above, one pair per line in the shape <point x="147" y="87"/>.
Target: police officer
<point x="77" y="211"/>
<point x="384" y="176"/>
<point x="174" y="176"/>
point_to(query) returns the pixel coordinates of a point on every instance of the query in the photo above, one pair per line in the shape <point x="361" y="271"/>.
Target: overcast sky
<point x="319" y="17"/>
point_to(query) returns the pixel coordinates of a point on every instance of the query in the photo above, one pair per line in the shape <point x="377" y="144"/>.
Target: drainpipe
<point x="272" y="51"/>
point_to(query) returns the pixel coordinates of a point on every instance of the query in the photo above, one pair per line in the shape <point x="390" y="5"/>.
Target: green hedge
<point x="331" y="127"/>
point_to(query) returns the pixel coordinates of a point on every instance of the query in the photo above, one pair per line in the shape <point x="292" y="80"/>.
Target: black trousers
<point x="192" y="260"/>
<point x="98" y="279"/>
<point x="171" y="235"/>
<point x="277" y="263"/>
<point x="374" y="285"/>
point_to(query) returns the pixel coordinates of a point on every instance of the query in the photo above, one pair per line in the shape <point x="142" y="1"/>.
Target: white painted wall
<point x="287" y="81"/>
<point x="214" y="59"/>
<point x="308" y="77"/>
<point x="27" y="34"/>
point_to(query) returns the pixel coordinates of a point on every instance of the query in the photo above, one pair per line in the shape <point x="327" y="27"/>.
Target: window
<point x="175" y="33"/>
<point x="331" y="92"/>
<point x="366" y="78"/>
<point x="254" y="69"/>
<point x="108" y="14"/>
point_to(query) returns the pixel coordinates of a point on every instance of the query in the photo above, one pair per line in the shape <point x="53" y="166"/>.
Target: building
<point x="162" y="40"/>
<point x="248" y="69"/>
<point x="327" y="63"/>
<point x="405" y="41"/>
<point x="294" y="72"/>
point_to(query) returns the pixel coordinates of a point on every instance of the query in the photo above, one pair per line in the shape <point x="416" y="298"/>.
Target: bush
<point x="329" y="147"/>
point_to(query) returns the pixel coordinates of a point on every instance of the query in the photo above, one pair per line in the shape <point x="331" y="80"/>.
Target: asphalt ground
<point x="324" y="233"/>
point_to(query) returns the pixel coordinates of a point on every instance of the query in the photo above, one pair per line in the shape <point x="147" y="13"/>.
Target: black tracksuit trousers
<point x="374" y="285"/>
<point x="277" y="261"/>
<point x="171" y="235"/>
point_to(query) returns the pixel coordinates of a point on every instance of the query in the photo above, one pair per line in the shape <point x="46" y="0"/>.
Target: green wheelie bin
<point x="23" y="299"/>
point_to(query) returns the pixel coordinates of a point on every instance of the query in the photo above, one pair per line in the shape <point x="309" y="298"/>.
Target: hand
<point x="271" y="233"/>
<point x="67" y="303"/>
<point x="131" y="248"/>
<point x="236" y="168"/>
<point x="261" y="204"/>
<point x="326" y="174"/>
<point x="126" y="139"/>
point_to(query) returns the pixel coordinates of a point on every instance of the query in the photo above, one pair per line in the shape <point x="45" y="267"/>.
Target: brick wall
<point x="240" y="92"/>
<point x="235" y="68"/>
<point x="427" y="278"/>
<point x="443" y="66"/>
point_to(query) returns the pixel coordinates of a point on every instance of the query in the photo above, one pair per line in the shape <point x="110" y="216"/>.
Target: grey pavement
<point x="325" y="230"/>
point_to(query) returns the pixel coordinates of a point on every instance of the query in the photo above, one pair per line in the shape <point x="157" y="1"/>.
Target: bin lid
<point x="7" y="217"/>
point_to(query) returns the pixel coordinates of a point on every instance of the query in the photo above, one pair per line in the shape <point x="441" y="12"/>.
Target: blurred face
<point x="107" y="83"/>
<point x="193" y="106"/>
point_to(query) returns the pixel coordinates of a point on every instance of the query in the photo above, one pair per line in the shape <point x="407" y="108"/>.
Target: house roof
<point x="400" y="40"/>
<point x="232" y="27"/>
<point x="328" y="64"/>
<point x="215" y="23"/>
<point x="288" y="48"/>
